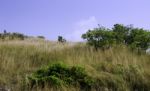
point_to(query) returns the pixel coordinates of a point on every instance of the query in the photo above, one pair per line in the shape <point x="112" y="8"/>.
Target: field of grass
<point x="115" y="69"/>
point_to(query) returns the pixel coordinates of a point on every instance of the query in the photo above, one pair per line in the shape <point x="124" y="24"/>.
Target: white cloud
<point x="81" y="27"/>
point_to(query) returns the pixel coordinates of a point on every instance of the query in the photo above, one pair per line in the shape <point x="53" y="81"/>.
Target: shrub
<point x="60" y="74"/>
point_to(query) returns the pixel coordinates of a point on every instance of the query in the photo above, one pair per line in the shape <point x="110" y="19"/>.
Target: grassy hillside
<point x="116" y="69"/>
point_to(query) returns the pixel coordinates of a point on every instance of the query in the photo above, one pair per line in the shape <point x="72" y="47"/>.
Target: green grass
<point x="116" y="69"/>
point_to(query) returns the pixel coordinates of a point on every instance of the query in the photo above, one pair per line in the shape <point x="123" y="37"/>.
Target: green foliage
<point x="105" y="38"/>
<point x="60" y="74"/>
<point x="11" y="36"/>
<point x="140" y="38"/>
<point x="121" y="33"/>
<point x="17" y="35"/>
<point x="41" y="37"/>
<point x="100" y="37"/>
<point x="61" y="39"/>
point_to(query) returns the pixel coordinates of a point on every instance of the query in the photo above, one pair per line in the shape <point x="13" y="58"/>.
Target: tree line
<point x="15" y="36"/>
<point x="11" y="36"/>
<point x="18" y="36"/>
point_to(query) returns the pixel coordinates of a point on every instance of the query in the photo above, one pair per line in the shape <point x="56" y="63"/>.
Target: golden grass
<point x="20" y="58"/>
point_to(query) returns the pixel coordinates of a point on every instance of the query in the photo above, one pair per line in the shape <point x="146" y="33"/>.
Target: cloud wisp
<point x="81" y="27"/>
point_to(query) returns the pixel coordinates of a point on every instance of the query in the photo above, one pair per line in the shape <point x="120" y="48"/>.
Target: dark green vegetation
<point x="7" y="36"/>
<point x="11" y="36"/>
<point x="61" y="39"/>
<point x="61" y="75"/>
<point x="136" y="38"/>
<point x="41" y="37"/>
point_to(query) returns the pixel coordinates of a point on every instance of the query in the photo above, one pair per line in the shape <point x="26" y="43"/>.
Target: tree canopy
<point x="128" y="35"/>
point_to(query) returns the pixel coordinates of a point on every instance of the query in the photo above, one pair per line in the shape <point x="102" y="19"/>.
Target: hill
<point x="115" y="69"/>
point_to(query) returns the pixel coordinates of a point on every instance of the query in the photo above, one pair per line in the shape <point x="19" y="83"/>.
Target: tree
<point x="140" y="38"/>
<point x="100" y="38"/>
<point x="5" y="32"/>
<point x="128" y="35"/>
<point x="41" y="37"/>
<point x="61" y="39"/>
<point x="121" y="33"/>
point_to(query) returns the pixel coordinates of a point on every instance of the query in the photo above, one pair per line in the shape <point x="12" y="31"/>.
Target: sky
<point x="70" y="18"/>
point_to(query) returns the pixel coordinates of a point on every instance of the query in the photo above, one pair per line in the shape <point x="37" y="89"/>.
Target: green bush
<point x="60" y="74"/>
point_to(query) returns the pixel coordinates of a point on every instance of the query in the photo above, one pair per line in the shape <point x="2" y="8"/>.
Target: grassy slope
<point x="20" y="58"/>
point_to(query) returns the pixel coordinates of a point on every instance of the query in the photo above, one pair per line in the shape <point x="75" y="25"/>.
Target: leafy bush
<point x="60" y="74"/>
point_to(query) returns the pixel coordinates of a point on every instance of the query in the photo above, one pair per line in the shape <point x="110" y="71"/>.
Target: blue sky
<point x="70" y="18"/>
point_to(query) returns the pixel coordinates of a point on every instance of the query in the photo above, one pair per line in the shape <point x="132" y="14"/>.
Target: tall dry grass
<point x="18" y="59"/>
